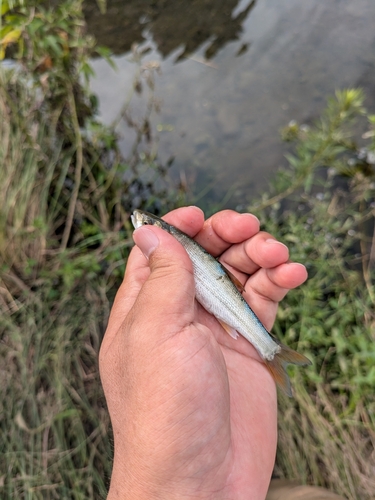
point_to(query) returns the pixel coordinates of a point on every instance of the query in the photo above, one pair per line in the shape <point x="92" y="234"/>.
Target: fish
<point x="220" y="293"/>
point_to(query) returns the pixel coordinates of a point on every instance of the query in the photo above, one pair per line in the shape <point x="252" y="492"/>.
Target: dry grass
<point x="64" y="241"/>
<point x="321" y="445"/>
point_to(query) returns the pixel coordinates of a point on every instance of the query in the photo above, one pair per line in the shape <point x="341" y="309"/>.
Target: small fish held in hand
<point x="218" y="291"/>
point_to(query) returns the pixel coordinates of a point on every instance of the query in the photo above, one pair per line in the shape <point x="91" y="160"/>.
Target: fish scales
<point x="218" y="294"/>
<point x="220" y="297"/>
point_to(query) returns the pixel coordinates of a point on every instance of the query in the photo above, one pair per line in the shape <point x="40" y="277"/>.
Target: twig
<point x="77" y="173"/>
<point x="366" y="269"/>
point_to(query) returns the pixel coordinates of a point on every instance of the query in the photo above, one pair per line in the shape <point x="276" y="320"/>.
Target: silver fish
<point x="218" y="291"/>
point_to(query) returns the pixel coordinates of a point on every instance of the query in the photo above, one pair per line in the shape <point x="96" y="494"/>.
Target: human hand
<point x="193" y="411"/>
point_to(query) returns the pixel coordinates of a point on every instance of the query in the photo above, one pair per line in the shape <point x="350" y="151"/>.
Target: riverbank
<point x="65" y="235"/>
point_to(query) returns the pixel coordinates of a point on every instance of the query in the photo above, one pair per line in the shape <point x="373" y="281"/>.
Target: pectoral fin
<point x="232" y="332"/>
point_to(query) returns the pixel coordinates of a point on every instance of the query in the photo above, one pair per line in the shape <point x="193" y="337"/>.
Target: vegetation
<point x="66" y="194"/>
<point x="64" y="237"/>
<point x="322" y="206"/>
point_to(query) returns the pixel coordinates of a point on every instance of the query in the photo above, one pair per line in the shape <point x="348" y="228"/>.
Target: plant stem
<point x="77" y="173"/>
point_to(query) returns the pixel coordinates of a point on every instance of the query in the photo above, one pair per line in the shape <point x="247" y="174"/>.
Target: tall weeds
<point x="65" y="194"/>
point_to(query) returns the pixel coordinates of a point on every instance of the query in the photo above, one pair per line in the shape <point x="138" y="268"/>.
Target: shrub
<point x="322" y="206"/>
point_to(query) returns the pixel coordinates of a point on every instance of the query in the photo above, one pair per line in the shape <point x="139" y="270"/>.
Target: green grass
<point x="327" y="432"/>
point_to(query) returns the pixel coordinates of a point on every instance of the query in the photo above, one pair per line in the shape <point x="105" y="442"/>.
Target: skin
<point x="194" y="412"/>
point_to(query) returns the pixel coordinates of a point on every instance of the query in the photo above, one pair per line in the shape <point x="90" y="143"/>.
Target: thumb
<point x="167" y="296"/>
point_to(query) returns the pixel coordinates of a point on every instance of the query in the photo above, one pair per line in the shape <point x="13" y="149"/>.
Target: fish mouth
<point x="137" y="219"/>
<point x="140" y="218"/>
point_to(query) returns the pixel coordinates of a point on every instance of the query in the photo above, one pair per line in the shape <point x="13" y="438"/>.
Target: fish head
<point x="140" y="218"/>
<point x="137" y="218"/>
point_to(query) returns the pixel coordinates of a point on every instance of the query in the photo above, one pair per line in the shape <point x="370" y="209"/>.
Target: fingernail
<point x="271" y="241"/>
<point x="297" y="264"/>
<point x="251" y="215"/>
<point x="146" y="240"/>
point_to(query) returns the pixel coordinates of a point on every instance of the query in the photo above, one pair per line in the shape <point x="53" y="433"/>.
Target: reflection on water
<point x="232" y="74"/>
<point x="187" y="24"/>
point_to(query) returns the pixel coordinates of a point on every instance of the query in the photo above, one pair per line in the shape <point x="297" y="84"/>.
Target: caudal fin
<point x="277" y="367"/>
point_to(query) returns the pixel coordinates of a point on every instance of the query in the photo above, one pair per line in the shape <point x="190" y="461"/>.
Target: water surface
<point x="232" y="74"/>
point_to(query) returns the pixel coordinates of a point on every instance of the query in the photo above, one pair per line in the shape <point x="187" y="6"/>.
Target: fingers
<point x="287" y="276"/>
<point x="190" y="220"/>
<point x="217" y="234"/>
<point x="271" y="274"/>
<point x="226" y="228"/>
<point x="262" y="250"/>
<point x="267" y="287"/>
<point x="247" y="251"/>
<point x="273" y="284"/>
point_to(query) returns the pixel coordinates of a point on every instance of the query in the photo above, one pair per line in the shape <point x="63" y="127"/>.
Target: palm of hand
<point x="231" y="409"/>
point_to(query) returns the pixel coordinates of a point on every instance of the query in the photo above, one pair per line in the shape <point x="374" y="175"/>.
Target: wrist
<point x="128" y="486"/>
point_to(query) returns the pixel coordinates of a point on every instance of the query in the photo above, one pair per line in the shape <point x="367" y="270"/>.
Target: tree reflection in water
<point x="186" y="23"/>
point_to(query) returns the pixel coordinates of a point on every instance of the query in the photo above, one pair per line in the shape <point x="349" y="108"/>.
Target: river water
<point x="232" y="75"/>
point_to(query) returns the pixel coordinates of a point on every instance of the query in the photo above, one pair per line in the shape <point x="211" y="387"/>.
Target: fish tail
<point x="277" y="367"/>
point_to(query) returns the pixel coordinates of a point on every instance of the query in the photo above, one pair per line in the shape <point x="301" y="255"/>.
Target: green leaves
<point x="326" y="194"/>
<point x="327" y="145"/>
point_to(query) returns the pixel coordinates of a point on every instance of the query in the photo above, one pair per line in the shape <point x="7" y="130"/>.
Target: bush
<point x="322" y="206"/>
